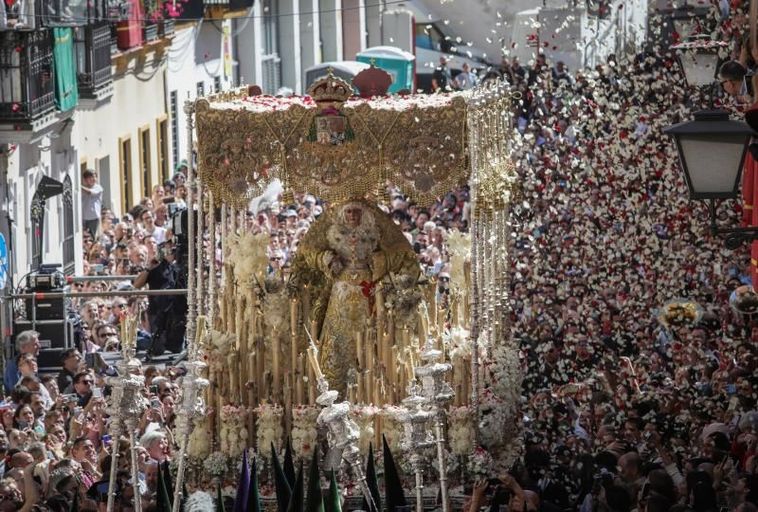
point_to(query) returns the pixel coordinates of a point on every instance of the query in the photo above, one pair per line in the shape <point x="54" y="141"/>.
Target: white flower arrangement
<point x="459" y="249"/>
<point x="499" y="422"/>
<point x="268" y="426"/>
<point x="363" y="416"/>
<point x="216" y="465"/>
<point x="247" y="252"/>
<point x="451" y="463"/>
<point x="458" y="343"/>
<point x="199" y="501"/>
<point x="199" y="442"/>
<point x="461" y="430"/>
<point x="233" y="435"/>
<point x="480" y="464"/>
<point x="304" y="430"/>
<point x="391" y="427"/>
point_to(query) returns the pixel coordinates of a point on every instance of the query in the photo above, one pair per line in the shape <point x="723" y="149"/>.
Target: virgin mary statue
<point x="348" y="255"/>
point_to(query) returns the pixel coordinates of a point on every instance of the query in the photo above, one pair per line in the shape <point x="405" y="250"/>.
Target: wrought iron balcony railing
<point x="27" y="84"/>
<point x="93" y="58"/>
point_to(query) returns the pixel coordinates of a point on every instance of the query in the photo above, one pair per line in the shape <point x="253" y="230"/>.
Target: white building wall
<point x="201" y="58"/>
<point x="137" y="105"/>
<point x="55" y="155"/>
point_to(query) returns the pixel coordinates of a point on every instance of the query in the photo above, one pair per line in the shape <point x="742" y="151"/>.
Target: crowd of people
<point x="626" y="406"/>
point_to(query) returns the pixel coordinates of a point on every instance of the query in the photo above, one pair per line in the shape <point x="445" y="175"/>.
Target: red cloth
<point x="750" y="209"/>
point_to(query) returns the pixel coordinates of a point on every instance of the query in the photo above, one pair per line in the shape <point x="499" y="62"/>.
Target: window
<point x="69" y="248"/>
<point x="217" y="83"/>
<point x="270" y="21"/>
<point x="162" y="131"/>
<point x="103" y="167"/>
<point x="174" y="112"/>
<point x="146" y="178"/>
<point x="429" y="37"/>
<point x="125" y="169"/>
<point x="200" y="89"/>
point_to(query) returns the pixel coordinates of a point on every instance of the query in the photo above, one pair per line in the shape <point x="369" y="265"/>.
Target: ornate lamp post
<point x="711" y="148"/>
<point x="438" y="393"/>
<point x="191" y="407"/>
<point x="342" y="432"/>
<point x="125" y="407"/>
<point x="712" y="152"/>
<point x="416" y="436"/>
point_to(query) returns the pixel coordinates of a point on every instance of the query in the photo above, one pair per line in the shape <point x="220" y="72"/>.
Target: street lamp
<point x="699" y="59"/>
<point x="711" y="148"/>
<point x="712" y="152"/>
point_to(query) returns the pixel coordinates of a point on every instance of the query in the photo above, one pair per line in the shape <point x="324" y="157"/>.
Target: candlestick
<point x="293" y="335"/>
<point x="299" y="380"/>
<point x="277" y="385"/>
<point x="359" y="350"/>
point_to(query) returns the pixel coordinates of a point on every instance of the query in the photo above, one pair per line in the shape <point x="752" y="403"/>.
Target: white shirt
<point x="465" y="80"/>
<point x="158" y="233"/>
<point x="92" y="202"/>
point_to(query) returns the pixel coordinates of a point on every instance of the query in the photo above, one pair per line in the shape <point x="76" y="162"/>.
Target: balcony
<point x="232" y="5"/>
<point x="34" y="14"/>
<point x="93" y="61"/>
<point x="27" y="81"/>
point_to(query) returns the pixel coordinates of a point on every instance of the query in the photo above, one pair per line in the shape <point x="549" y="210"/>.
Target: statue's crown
<point x="330" y="88"/>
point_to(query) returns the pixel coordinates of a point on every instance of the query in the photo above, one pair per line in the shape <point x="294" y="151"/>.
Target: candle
<point x="275" y="365"/>
<point x="392" y="374"/>
<point x="299" y="382"/>
<point x="251" y="365"/>
<point x="313" y="360"/>
<point x="367" y="387"/>
<point x="293" y="334"/>
<point x="359" y="350"/>
<point x="311" y="386"/>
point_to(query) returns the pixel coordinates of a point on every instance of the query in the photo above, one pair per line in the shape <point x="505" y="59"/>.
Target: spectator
<point x="92" y="202"/>
<point x="27" y="342"/>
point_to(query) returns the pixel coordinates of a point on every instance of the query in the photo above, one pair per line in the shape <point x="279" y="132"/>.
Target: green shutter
<point x="66" y="91"/>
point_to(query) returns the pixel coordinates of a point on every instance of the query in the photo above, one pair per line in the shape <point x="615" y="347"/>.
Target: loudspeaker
<point x="45" y="309"/>
<point x="52" y="333"/>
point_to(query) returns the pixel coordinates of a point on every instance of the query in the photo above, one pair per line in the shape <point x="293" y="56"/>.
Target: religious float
<point x="353" y="348"/>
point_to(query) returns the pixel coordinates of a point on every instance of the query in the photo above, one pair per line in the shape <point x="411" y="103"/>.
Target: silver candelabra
<point x="192" y="406"/>
<point x="125" y="408"/>
<point x="342" y="432"/>
<point x="438" y="394"/>
<point x="414" y="418"/>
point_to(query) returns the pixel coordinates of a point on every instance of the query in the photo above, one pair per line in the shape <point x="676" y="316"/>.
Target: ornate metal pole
<point x="212" y="261"/>
<point x="192" y="405"/>
<point x="189" y="110"/>
<point x="439" y="393"/>
<point x="125" y="406"/>
<point x="342" y="432"/>
<point x="200" y="246"/>
<point x="132" y="424"/>
<point x="416" y="436"/>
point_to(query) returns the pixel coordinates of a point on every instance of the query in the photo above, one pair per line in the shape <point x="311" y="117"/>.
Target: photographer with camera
<point x="165" y="312"/>
<point x="504" y="492"/>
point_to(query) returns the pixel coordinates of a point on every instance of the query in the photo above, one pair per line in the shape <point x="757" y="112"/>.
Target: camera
<point x="601" y="479"/>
